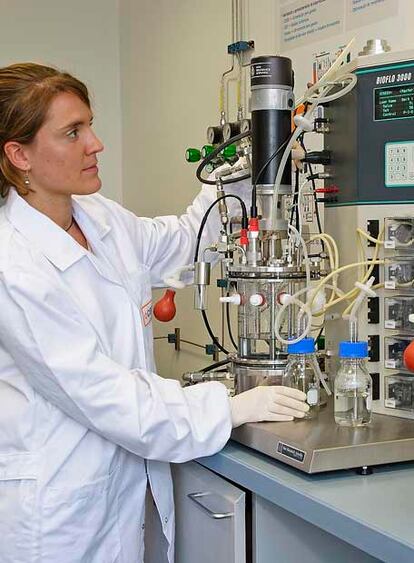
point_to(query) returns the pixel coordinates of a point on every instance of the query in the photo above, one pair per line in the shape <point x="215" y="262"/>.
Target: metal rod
<point x="232" y="20"/>
<point x="237" y="21"/>
<point x="272" y="322"/>
<point x="223" y="306"/>
<point x="181" y="340"/>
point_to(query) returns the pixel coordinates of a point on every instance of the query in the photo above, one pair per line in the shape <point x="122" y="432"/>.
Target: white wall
<point x="173" y="53"/>
<point x="81" y="37"/>
<point x="396" y="30"/>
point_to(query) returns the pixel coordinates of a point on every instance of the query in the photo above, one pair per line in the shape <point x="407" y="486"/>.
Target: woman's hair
<point x="26" y="92"/>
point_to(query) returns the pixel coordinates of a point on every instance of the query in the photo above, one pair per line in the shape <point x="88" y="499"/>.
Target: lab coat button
<point x="165" y="520"/>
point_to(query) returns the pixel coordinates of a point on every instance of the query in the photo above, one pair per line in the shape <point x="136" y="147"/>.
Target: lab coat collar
<point x="52" y="241"/>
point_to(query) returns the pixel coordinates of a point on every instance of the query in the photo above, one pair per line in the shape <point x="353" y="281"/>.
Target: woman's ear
<point x="16" y="153"/>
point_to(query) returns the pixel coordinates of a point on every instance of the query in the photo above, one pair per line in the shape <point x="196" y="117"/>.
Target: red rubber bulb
<point x="409" y="356"/>
<point x="164" y="309"/>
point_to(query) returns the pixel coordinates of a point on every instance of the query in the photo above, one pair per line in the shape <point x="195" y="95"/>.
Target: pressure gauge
<point x="214" y="135"/>
<point x="245" y="125"/>
<point x="231" y="129"/>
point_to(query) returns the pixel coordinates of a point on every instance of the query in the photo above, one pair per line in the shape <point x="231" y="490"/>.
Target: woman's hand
<point x="271" y="403"/>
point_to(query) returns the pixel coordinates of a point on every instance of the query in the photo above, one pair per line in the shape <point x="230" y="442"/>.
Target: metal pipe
<point x="272" y="322"/>
<point x="232" y="20"/>
<point x="223" y="305"/>
<point x="237" y="21"/>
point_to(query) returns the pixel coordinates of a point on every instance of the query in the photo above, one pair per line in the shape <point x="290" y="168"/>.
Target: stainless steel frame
<point x="319" y="445"/>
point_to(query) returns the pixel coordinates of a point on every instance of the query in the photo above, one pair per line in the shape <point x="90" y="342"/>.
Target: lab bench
<point x="271" y="513"/>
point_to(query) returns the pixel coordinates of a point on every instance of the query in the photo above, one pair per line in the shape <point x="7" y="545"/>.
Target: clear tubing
<point x="323" y="82"/>
<point x="320" y="376"/>
<point x="228" y="80"/>
<point x="329" y="74"/>
<point x="353" y="325"/>
<point x="305" y="252"/>
<point x="332" y="247"/>
<point x="353" y="330"/>
<point x="303" y="307"/>
<point x="333" y="255"/>
<point x="223" y="98"/>
<point x="365" y="277"/>
<point x="299" y="202"/>
<point x="285" y="156"/>
<point x="239" y="84"/>
<point x="369" y="237"/>
<point x="293" y="299"/>
<point x="342" y="92"/>
<point x="353" y="292"/>
<point x="280" y="170"/>
<point x="370" y="263"/>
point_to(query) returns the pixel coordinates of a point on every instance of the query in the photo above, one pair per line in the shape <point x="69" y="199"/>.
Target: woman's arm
<point x="58" y="351"/>
<point x="166" y="243"/>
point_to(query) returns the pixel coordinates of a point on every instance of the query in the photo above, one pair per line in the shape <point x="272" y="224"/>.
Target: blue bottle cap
<point x="353" y="349"/>
<point x="305" y="346"/>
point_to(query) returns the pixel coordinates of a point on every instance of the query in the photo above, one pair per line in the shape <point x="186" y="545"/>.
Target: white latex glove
<point x="267" y="403"/>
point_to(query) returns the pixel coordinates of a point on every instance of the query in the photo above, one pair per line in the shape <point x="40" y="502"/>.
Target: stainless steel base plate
<point x="319" y="445"/>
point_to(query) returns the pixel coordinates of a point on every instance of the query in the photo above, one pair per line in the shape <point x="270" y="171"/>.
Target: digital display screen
<point x="394" y="102"/>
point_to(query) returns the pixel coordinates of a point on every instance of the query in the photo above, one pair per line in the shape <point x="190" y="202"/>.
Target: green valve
<point x="192" y="155"/>
<point x="206" y="150"/>
<point x="229" y="151"/>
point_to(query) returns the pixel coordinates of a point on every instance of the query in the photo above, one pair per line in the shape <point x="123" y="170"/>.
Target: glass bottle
<point x="300" y="373"/>
<point x="353" y="386"/>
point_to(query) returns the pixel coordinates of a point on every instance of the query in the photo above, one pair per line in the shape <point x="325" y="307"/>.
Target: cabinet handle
<point x="197" y="498"/>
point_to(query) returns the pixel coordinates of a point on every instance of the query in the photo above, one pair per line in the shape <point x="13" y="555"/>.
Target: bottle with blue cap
<point x="301" y="374"/>
<point x="353" y="386"/>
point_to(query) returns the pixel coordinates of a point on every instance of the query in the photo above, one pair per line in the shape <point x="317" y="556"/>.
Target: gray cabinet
<point x="281" y="537"/>
<point x="210" y="517"/>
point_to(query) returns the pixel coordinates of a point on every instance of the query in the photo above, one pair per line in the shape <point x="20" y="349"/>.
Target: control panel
<point x="399" y="164"/>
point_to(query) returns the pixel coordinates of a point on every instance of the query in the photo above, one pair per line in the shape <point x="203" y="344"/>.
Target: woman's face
<point x="62" y="157"/>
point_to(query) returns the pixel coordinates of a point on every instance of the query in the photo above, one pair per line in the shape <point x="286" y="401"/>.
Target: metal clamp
<point x="196" y="497"/>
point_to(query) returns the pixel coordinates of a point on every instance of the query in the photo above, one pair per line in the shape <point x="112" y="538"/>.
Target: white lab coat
<point x="84" y="420"/>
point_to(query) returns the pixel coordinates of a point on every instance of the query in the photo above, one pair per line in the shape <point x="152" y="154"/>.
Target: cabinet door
<point x="210" y="517"/>
<point x="282" y="537"/>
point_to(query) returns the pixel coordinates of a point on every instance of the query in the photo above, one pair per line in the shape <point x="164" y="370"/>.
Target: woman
<point x="84" y="420"/>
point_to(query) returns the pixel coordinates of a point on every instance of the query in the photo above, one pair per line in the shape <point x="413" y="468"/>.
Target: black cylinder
<point x="271" y="70"/>
<point x="272" y="103"/>
<point x="270" y="129"/>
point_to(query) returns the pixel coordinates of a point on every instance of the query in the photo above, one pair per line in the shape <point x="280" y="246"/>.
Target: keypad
<point x="399" y="164"/>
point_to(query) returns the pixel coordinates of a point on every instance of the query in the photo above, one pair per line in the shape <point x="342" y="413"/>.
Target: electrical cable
<point x="297" y="194"/>
<point x="315" y="197"/>
<point x="293" y="211"/>
<point x="229" y="324"/>
<point x="319" y="334"/>
<point x="207" y="213"/>
<point x="215" y="365"/>
<point x="210" y="332"/>
<point x="213" y="155"/>
<point x="199" y="234"/>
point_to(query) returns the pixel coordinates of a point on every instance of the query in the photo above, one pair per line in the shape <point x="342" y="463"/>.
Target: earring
<point x="26" y="179"/>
